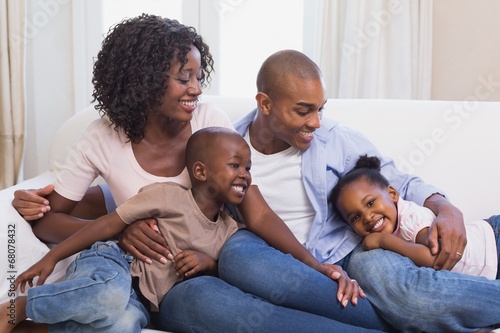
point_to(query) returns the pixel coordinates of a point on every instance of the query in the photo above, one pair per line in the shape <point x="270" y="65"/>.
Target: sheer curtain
<point x="375" y="48"/>
<point x="11" y="89"/>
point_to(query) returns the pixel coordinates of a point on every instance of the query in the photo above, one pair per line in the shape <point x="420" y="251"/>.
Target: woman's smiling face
<point x="183" y="88"/>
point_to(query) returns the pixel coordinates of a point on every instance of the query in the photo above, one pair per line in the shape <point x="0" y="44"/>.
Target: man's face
<point x="296" y="111"/>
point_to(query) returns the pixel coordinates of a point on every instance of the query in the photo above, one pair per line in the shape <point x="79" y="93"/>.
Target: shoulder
<point x="102" y="127"/>
<point x="333" y="133"/>
<point x="230" y="224"/>
<point x="242" y="124"/>
<point x="207" y="114"/>
<point x="165" y="187"/>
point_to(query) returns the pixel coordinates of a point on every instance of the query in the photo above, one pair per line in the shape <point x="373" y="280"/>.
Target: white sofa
<point x="451" y="144"/>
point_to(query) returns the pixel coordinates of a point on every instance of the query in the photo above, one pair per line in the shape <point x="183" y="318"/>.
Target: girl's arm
<point x="418" y="252"/>
<point x="103" y="228"/>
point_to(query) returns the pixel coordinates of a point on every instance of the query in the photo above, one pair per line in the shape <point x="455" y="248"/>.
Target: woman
<point x="147" y="80"/>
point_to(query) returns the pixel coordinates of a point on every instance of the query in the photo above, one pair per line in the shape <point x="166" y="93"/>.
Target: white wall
<point x="466" y="47"/>
<point x="49" y="77"/>
<point x="466" y="50"/>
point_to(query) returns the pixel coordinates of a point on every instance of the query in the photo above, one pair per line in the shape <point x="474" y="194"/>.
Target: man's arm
<point x="447" y="235"/>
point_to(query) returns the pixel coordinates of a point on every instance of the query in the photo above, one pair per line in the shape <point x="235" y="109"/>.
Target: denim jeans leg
<point x="249" y="263"/>
<point x="415" y="299"/>
<point x="96" y="293"/>
<point x="208" y="304"/>
<point x="494" y="221"/>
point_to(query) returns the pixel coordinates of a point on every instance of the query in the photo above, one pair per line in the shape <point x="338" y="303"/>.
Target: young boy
<point x="192" y="222"/>
<point x="376" y="212"/>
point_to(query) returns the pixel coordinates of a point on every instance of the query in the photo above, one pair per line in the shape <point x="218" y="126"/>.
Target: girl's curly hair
<point x="130" y="72"/>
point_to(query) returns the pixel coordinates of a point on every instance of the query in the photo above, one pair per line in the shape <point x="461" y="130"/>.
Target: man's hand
<point x="348" y="288"/>
<point x="447" y="235"/>
<point x="31" y="204"/>
<point x="143" y="240"/>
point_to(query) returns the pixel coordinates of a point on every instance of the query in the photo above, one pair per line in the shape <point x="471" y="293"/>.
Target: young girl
<point x="218" y="162"/>
<point x="376" y="212"/>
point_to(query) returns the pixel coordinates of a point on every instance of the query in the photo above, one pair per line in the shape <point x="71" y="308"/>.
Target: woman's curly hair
<point x="130" y="72"/>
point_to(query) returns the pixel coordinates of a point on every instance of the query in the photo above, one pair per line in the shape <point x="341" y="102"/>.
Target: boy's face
<point x="369" y="208"/>
<point x="228" y="171"/>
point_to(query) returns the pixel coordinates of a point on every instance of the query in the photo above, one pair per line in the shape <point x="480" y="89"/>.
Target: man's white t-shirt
<point x="278" y="177"/>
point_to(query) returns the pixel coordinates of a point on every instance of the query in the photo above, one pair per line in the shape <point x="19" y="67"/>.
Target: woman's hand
<point x="32" y="204"/>
<point x="143" y="240"/>
<point x="348" y="288"/>
<point x="189" y="263"/>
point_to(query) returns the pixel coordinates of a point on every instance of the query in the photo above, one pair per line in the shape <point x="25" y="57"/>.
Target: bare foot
<point x="12" y="313"/>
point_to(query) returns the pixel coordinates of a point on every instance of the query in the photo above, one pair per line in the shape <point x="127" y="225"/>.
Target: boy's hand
<point x="42" y="269"/>
<point x="348" y="288"/>
<point x="189" y="263"/>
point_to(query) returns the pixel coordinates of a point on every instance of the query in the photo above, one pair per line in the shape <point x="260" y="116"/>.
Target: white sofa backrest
<point x="452" y="145"/>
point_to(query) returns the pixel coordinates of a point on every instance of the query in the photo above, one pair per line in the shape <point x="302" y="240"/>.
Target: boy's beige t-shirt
<point x="184" y="227"/>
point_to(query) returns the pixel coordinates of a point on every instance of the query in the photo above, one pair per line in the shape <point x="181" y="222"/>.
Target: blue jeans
<point x="417" y="299"/>
<point x="97" y="295"/>
<point x="266" y="291"/>
<point x="494" y="221"/>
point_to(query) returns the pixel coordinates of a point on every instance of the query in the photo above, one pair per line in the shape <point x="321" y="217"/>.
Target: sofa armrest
<point x="22" y="248"/>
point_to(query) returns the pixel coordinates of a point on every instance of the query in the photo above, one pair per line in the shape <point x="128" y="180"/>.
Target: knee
<point x="112" y="301"/>
<point x="234" y="249"/>
<point x="112" y="294"/>
<point x="133" y="319"/>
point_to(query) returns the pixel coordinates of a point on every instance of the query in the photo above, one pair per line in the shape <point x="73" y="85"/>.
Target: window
<point x="240" y="33"/>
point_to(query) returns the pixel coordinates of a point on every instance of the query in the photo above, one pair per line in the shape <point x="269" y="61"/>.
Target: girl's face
<point x="369" y="208"/>
<point x="181" y="97"/>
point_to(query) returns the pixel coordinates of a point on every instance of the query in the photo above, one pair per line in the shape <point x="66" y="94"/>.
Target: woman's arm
<point x="143" y="240"/>
<point x="447" y="235"/>
<point x="33" y="204"/>
<point x="57" y="224"/>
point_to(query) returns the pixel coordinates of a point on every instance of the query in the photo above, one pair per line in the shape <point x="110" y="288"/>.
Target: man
<point x="287" y="123"/>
